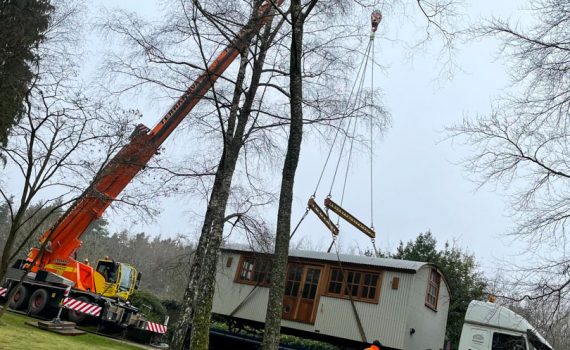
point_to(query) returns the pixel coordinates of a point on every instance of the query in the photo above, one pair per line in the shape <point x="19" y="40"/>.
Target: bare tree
<point x="523" y="145"/>
<point x="62" y="137"/>
<point x="282" y="234"/>
<point x="53" y="147"/>
<point x="539" y="314"/>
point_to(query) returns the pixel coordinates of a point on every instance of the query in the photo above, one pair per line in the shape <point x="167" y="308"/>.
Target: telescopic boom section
<point x="144" y="143"/>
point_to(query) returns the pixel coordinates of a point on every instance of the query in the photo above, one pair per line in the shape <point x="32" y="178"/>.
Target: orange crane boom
<point x="63" y="239"/>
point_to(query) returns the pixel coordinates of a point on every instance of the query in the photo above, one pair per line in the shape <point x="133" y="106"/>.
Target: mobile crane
<point x="103" y="292"/>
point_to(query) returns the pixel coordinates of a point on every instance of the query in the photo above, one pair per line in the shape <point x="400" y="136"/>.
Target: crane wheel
<point x="76" y="316"/>
<point x="19" y="298"/>
<point x="38" y="301"/>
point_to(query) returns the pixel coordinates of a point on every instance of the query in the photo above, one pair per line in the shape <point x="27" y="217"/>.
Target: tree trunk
<point x="199" y="294"/>
<point x="211" y="229"/>
<point x="279" y="270"/>
<point x="202" y="305"/>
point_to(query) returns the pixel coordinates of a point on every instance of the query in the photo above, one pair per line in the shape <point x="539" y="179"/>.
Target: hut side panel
<point x="385" y="321"/>
<point x="229" y="295"/>
<point x="428" y="324"/>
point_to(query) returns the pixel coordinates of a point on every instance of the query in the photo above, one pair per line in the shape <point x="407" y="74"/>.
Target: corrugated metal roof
<point x="345" y="258"/>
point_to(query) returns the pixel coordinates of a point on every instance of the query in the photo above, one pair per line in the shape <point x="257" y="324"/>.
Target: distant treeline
<point x="163" y="262"/>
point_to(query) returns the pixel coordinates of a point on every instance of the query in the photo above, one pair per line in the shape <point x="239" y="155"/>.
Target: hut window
<point x="361" y="285"/>
<point x="294" y="274"/>
<point x="369" y="286"/>
<point x="335" y="282"/>
<point x="254" y="271"/>
<point x="246" y="270"/>
<point x="352" y="282"/>
<point x="432" y="293"/>
<point x="311" y="283"/>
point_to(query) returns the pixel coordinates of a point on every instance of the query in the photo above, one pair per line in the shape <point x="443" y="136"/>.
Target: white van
<point x="489" y="326"/>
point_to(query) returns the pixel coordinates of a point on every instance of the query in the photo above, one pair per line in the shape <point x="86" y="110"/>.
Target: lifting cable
<point x="349" y="132"/>
<point x="312" y="205"/>
<point x="376" y="18"/>
<point x="359" y="102"/>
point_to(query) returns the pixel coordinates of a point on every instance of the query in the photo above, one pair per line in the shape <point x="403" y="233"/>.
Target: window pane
<point x="374" y="280"/>
<point x="335" y="282"/>
<point x="293" y="280"/>
<point x="246" y="270"/>
<point x="311" y="283"/>
<point x="369" y="286"/>
<point x="352" y="280"/>
<point x="432" y="291"/>
<point x="503" y="341"/>
<point x="295" y="290"/>
<point x="262" y="271"/>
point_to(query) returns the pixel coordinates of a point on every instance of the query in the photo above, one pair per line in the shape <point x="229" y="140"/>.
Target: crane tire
<point x="38" y="301"/>
<point x="20" y="298"/>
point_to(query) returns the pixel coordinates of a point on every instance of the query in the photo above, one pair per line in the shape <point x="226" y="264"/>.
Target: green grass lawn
<point x="15" y="335"/>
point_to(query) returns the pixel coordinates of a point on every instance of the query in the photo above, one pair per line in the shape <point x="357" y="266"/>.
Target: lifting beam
<point x="322" y="215"/>
<point x="329" y="204"/>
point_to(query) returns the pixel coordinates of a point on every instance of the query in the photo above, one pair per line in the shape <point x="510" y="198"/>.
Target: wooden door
<point x="301" y="292"/>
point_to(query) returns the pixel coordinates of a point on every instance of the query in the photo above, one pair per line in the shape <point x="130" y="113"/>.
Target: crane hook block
<point x="375" y="18"/>
<point x="349" y="218"/>
<point x="321" y="215"/>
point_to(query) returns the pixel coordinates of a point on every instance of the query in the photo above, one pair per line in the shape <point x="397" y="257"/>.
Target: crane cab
<point x="115" y="279"/>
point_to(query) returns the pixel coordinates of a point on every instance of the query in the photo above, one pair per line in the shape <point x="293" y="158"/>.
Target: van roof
<point x="494" y="315"/>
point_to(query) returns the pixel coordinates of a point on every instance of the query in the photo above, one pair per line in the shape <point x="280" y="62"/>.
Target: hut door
<point x="300" y="292"/>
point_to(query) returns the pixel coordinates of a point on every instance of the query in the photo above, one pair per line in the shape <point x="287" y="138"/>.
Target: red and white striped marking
<point x="155" y="327"/>
<point x="81" y="306"/>
<point x="3" y="292"/>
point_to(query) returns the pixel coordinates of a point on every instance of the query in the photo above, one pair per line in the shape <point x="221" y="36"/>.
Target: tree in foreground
<point x="279" y="262"/>
<point x="460" y="270"/>
<point x="523" y="146"/>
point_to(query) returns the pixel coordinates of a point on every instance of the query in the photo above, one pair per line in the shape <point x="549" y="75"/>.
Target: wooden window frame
<point x="256" y="265"/>
<point x="434" y="284"/>
<point x="344" y="291"/>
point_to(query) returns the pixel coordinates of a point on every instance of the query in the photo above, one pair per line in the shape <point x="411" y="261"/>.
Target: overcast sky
<point x="419" y="185"/>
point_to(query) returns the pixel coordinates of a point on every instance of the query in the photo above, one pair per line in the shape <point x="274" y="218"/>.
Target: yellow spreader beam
<point x="348" y="218"/>
<point x="322" y="215"/>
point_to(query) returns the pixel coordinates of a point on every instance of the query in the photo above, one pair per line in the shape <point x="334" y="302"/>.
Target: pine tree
<point x="22" y="27"/>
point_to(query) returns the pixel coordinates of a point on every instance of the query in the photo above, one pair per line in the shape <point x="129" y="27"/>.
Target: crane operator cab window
<point x="109" y="270"/>
<point x="127" y="277"/>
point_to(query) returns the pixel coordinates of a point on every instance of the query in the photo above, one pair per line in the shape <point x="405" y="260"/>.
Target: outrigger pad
<point x="62" y="327"/>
